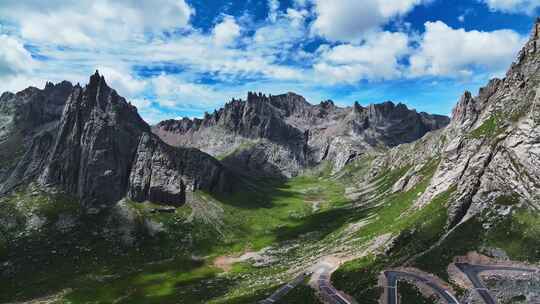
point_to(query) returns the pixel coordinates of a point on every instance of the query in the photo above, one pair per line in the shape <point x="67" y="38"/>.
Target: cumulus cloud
<point x="16" y="66"/>
<point x="445" y="51"/>
<point x="122" y="81"/>
<point x="349" y="20"/>
<point x="14" y="58"/>
<point x="377" y="58"/>
<point x="174" y="92"/>
<point x="69" y="40"/>
<point x="273" y="7"/>
<point x="141" y="104"/>
<point x="513" y="6"/>
<point x="226" y="32"/>
<point x="89" y="22"/>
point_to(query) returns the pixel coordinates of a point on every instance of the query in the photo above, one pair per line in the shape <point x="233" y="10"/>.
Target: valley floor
<point x="242" y="248"/>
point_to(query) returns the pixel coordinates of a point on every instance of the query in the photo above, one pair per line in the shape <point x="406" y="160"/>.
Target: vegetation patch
<point x="466" y="237"/>
<point x="417" y="231"/>
<point x="246" y="145"/>
<point x="409" y="294"/>
<point x="359" y="278"/>
<point x="507" y="200"/>
<point x="518" y="235"/>
<point x="275" y="211"/>
<point x="301" y="294"/>
<point x="492" y="127"/>
<point x="425" y="228"/>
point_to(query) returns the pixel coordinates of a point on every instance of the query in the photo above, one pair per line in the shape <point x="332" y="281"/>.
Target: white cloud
<point x="14" y="58"/>
<point x="301" y="3"/>
<point x="16" y="66"/>
<point x="297" y="17"/>
<point x="122" y="81"/>
<point x="226" y="32"/>
<point x="273" y="7"/>
<point x="89" y="22"/>
<point x="141" y="104"/>
<point x="445" y="51"/>
<point x="377" y="58"/>
<point x="513" y="6"/>
<point x="240" y="53"/>
<point x="349" y="20"/>
<point x="17" y="83"/>
<point x="173" y="92"/>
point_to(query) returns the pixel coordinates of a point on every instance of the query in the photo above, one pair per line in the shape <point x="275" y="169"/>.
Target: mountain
<point x="473" y="193"/>
<point x="283" y="135"/>
<point x="489" y="153"/>
<point x="408" y="196"/>
<point x="91" y="143"/>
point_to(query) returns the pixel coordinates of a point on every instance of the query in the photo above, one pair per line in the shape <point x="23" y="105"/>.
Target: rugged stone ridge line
<point x="28" y="121"/>
<point x="490" y="151"/>
<point x="98" y="148"/>
<point x="96" y="143"/>
<point x="284" y="134"/>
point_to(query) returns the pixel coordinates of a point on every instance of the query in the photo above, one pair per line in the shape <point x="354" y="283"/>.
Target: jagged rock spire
<point x="97" y="80"/>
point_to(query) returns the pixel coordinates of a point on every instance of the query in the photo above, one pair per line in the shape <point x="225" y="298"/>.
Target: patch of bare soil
<point x="258" y="258"/>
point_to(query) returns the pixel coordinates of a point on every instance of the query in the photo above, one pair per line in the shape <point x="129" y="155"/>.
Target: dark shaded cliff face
<point x="27" y="123"/>
<point x="91" y="143"/>
<point x="284" y="134"/>
<point x="97" y="140"/>
<point x="161" y="173"/>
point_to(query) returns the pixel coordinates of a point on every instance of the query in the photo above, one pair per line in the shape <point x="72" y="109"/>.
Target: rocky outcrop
<point x="490" y="151"/>
<point x="161" y="173"/>
<point x="284" y="134"/>
<point x="91" y="143"/>
<point x="96" y="143"/>
<point x="27" y="123"/>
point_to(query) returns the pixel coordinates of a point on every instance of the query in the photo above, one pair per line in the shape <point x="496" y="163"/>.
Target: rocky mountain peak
<point x="286" y="134"/>
<point x="96" y="80"/>
<point x="91" y="143"/>
<point x="327" y="104"/>
<point x="388" y="110"/>
<point x="490" y="151"/>
<point x="464" y="109"/>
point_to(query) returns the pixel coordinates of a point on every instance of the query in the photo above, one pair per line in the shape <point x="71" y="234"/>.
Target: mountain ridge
<point x="95" y="146"/>
<point x="468" y="188"/>
<point x="301" y="135"/>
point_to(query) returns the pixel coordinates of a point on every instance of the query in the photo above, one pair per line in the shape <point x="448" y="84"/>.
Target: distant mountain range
<point x="92" y="143"/>
<point x="274" y="179"/>
<point x="283" y="135"/>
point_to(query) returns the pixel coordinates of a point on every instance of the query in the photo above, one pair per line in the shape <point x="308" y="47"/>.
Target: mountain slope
<point x="91" y="143"/>
<point x="470" y="186"/>
<point x="482" y="196"/>
<point x="284" y="134"/>
<point x="490" y="150"/>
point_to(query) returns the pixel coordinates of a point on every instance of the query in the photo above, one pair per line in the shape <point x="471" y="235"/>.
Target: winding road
<point x="322" y="271"/>
<point x="392" y="278"/>
<point x="283" y="290"/>
<point x="328" y="292"/>
<point x="472" y="272"/>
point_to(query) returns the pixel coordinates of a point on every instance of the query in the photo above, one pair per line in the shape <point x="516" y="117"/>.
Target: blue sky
<point x="176" y="58"/>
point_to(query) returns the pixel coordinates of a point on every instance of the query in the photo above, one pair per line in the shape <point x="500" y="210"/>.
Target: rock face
<point x="96" y="141"/>
<point x="162" y="173"/>
<point x="490" y="152"/>
<point x="93" y="144"/>
<point x="27" y="123"/>
<point x="283" y="135"/>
